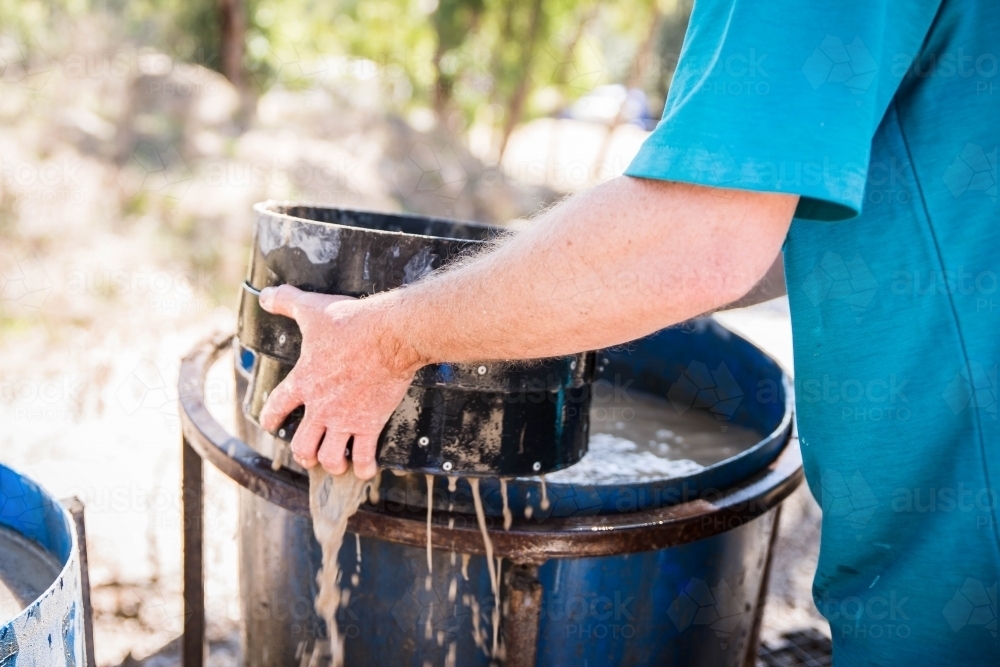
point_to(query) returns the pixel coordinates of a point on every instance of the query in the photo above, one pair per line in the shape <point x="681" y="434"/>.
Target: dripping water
<point x="507" y="518"/>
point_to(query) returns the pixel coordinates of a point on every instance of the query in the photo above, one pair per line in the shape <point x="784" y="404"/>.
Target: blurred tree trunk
<point x="642" y="56"/>
<point x="515" y="106"/>
<point x="454" y="21"/>
<point x="443" y="88"/>
<point x="233" y="24"/>
<point x="564" y="65"/>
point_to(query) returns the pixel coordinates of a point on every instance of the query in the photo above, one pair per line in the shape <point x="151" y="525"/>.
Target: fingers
<point x="306" y="441"/>
<point x="331" y="453"/>
<point x="363" y="456"/>
<point x="282" y="400"/>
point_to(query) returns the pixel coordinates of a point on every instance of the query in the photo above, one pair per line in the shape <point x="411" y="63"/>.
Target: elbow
<point x="734" y="273"/>
<point x="770" y="286"/>
<point x="748" y="258"/>
<point x="731" y="289"/>
<point x="680" y="295"/>
<point x="746" y="277"/>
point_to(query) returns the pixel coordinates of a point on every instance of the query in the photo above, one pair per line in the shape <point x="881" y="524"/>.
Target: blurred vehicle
<point x="611" y="104"/>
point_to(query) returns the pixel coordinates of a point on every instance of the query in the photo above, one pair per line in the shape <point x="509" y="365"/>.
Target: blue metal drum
<point x="692" y="599"/>
<point x="49" y="629"/>
<point x="693" y="604"/>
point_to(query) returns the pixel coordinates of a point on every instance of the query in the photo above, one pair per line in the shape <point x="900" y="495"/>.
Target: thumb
<point x="290" y="301"/>
<point x="281" y="300"/>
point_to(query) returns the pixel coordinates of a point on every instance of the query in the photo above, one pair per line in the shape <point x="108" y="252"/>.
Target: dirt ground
<point x="125" y="209"/>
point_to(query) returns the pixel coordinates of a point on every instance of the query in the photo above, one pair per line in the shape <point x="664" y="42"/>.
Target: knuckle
<point x="335" y="468"/>
<point x="363" y="456"/>
<point x="328" y="455"/>
<point x="286" y="388"/>
<point x="301" y="448"/>
<point x="282" y="398"/>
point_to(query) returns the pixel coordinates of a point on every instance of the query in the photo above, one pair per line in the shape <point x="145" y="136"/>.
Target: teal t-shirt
<point x="884" y="116"/>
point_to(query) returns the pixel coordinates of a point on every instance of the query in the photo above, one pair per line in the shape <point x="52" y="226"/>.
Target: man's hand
<point x="349" y="377"/>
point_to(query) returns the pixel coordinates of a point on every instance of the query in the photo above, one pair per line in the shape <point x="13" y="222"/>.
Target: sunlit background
<point x="134" y="138"/>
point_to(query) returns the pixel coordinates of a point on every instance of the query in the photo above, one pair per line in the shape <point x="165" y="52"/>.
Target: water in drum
<point x="646" y="438"/>
<point x="26" y="571"/>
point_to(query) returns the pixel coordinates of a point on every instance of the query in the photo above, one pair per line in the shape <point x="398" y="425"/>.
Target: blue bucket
<point x="49" y="630"/>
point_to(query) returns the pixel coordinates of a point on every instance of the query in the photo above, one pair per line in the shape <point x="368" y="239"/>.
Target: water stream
<point x="333" y="499"/>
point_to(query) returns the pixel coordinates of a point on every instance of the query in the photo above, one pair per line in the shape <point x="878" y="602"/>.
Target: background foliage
<point x="490" y="62"/>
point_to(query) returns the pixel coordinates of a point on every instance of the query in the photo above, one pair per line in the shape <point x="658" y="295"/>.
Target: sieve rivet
<point x="482" y="370"/>
<point x="281" y="339"/>
<point x="424" y="441"/>
<point x="446" y="465"/>
<point x="536" y="466"/>
<point x="281" y="433"/>
<point x="572" y="365"/>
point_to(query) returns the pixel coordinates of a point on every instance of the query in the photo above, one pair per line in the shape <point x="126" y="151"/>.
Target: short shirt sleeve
<point x="784" y="97"/>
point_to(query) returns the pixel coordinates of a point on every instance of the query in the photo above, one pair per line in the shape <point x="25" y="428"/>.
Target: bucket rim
<point x="71" y="559"/>
<point x="267" y="208"/>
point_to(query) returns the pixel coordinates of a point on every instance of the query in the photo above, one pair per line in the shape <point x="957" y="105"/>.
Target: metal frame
<point x="526" y="544"/>
<point x="75" y="508"/>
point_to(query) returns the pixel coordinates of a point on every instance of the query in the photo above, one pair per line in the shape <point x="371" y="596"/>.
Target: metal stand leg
<point x="75" y="507"/>
<point x="754" y="645"/>
<point x="521" y="623"/>
<point x="193" y="642"/>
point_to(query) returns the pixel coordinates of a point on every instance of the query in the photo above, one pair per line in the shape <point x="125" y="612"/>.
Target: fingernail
<point x="266" y="297"/>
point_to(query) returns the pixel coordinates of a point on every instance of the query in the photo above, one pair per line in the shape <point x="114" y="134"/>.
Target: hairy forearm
<point x="607" y="266"/>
